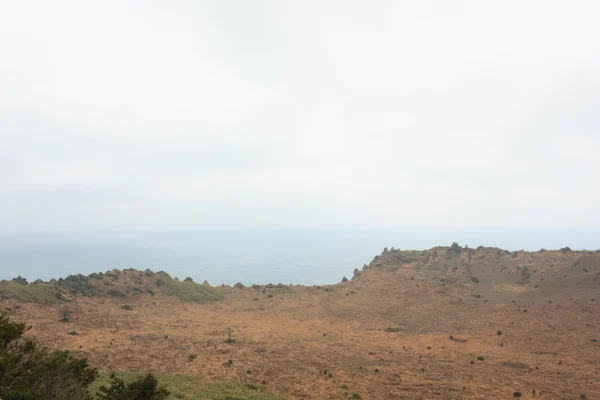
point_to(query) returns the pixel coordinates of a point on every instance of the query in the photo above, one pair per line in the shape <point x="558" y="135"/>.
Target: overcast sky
<point x="369" y="114"/>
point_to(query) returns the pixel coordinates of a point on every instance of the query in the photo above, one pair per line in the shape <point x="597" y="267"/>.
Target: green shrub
<point x="31" y="372"/>
<point x="517" y="394"/>
<point x="127" y="307"/>
<point x="480" y="358"/>
<point x="145" y="388"/>
<point x="455" y="247"/>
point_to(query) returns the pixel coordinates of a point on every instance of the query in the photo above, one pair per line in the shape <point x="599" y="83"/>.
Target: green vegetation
<point x="193" y="388"/>
<point x="144" y="388"/>
<point x="480" y="358"/>
<point x="29" y="371"/>
<point x="455" y="247"/>
<point x="109" y="284"/>
<point x="188" y="290"/>
<point x="127" y="307"/>
<point x="29" y="293"/>
<point x="517" y="394"/>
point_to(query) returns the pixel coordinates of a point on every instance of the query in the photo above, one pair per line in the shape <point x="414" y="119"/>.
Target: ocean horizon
<point x="304" y="257"/>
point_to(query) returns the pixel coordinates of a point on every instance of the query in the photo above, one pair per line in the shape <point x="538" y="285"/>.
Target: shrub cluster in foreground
<point x="29" y="371"/>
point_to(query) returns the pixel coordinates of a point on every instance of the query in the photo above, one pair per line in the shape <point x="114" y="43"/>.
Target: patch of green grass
<point x="32" y="293"/>
<point x="188" y="290"/>
<point x="193" y="388"/>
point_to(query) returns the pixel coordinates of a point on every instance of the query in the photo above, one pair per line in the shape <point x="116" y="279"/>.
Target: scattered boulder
<point x="344" y="279"/>
<point x="188" y="279"/>
<point x="239" y="285"/>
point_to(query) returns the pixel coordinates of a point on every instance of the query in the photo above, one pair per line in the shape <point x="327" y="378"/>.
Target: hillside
<point x="114" y="283"/>
<point x="447" y="322"/>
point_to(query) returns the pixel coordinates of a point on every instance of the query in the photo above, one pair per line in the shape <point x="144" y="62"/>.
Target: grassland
<point x="412" y="325"/>
<point x="32" y="293"/>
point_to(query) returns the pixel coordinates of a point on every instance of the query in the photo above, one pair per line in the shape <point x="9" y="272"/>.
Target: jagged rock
<point x="255" y="286"/>
<point x="21" y="280"/>
<point x="38" y="281"/>
<point x="205" y="283"/>
<point x="270" y="286"/>
<point x="239" y="285"/>
<point x="344" y="279"/>
<point x="188" y="279"/>
<point x="356" y="273"/>
<point x="364" y="267"/>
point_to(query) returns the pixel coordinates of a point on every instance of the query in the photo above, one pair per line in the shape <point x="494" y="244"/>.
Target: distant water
<point x="297" y="257"/>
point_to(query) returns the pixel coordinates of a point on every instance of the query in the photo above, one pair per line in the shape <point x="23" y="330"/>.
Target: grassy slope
<point x="33" y="293"/>
<point x="112" y="284"/>
<point x="188" y="290"/>
<point x="193" y="388"/>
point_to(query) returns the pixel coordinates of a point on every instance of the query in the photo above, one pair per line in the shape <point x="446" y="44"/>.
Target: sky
<point x="299" y="114"/>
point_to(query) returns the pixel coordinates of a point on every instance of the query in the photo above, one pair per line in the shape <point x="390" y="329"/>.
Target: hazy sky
<point x="378" y="114"/>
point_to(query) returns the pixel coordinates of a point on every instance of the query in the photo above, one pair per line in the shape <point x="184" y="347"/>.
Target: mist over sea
<point x="248" y="256"/>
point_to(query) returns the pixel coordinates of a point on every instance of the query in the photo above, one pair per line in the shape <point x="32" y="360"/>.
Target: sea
<point x="249" y="256"/>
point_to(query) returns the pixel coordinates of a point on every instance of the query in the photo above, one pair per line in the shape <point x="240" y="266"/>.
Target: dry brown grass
<point x="292" y="338"/>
